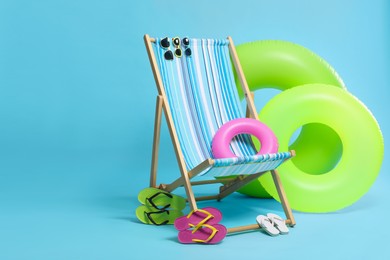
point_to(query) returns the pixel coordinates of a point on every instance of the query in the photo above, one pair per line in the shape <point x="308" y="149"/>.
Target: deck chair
<point x="198" y="94"/>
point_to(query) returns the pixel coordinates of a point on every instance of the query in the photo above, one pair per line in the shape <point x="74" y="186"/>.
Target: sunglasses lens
<point x="176" y="41"/>
<point x="178" y="52"/>
<point x="168" y="55"/>
<point x="165" y="42"/>
<point x="186" y="41"/>
<point x="188" y="52"/>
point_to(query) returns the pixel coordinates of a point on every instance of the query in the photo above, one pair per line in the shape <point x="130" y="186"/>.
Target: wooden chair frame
<point x="229" y="184"/>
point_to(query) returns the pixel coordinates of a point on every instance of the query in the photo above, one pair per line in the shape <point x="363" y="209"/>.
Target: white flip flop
<point x="279" y="223"/>
<point x="267" y="224"/>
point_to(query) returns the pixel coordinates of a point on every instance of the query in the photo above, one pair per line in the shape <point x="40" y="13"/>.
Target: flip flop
<point x="267" y="224"/>
<point x="160" y="199"/>
<point x="207" y="215"/>
<point x="279" y="223"/>
<point x="153" y="216"/>
<point x="206" y="234"/>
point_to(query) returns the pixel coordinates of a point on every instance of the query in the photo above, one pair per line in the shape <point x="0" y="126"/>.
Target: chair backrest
<point x="202" y="95"/>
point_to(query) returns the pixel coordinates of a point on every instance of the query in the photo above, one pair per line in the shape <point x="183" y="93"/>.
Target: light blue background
<point x="77" y="100"/>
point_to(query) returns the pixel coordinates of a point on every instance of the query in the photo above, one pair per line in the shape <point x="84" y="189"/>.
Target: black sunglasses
<point x="168" y="55"/>
<point x="186" y="44"/>
<point x="164" y="43"/>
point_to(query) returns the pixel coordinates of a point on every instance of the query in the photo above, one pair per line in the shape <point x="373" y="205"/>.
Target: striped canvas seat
<point x="202" y="96"/>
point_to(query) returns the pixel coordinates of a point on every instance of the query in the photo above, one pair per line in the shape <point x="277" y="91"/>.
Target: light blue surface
<point x="77" y="101"/>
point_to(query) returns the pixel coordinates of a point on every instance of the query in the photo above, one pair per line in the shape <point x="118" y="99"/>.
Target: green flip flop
<point x="159" y="199"/>
<point x="153" y="216"/>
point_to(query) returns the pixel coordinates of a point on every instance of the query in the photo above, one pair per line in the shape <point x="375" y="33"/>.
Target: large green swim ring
<point x="362" y="146"/>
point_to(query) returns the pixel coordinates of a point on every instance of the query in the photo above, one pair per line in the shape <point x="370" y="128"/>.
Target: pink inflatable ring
<point x="220" y="146"/>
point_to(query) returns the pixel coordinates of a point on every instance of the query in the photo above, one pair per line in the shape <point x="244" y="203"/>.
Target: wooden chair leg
<point x="190" y="195"/>
<point x="156" y="141"/>
<point x="283" y="198"/>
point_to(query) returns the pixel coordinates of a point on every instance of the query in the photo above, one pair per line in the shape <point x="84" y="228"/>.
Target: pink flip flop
<point x="208" y="215"/>
<point x="206" y="234"/>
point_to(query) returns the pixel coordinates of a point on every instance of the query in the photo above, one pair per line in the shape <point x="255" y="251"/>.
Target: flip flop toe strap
<point x="150" y="200"/>
<point x="213" y="229"/>
<point x="149" y="216"/>
<point x="201" y="223"/>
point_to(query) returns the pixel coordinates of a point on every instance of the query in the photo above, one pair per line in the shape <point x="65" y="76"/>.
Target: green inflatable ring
<point x="362" y="151"/>
<point x="283" y="65"/>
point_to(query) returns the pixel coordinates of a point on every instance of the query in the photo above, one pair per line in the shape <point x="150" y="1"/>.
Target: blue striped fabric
<point x="202" y="96"/>
<point x="246" y="165"/>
